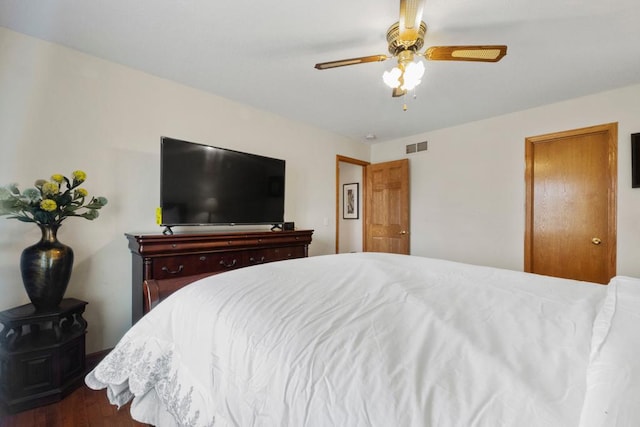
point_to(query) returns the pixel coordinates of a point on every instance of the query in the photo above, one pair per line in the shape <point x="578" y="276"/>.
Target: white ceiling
<point x="262" y="53"/>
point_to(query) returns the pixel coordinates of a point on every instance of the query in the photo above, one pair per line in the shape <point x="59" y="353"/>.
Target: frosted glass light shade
<point x="392" y="78"/>
<point x="406" y="78"/>
<point x="412" y="75"/>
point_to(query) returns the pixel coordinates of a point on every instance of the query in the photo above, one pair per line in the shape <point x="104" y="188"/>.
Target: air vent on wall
<point x="414" y="148"/>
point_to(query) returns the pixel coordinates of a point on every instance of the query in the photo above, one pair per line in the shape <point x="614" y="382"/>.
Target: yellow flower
<point x="57" y="178"/>
<point x="82" y="192"/>
<point x="48" y="205"/>
<point x="79" y="176"/>
<point x="49" y="188"/>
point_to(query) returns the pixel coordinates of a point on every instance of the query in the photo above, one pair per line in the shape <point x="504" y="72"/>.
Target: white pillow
<point x="613" y="376"/>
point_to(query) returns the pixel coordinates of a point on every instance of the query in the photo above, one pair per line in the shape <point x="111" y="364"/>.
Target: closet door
<point x="571" y="204"/>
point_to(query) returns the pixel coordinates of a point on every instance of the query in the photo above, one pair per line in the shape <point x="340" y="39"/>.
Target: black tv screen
<point x="205" y="185"/>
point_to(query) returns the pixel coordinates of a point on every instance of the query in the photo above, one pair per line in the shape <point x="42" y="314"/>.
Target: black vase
<point x="46" y="269"/>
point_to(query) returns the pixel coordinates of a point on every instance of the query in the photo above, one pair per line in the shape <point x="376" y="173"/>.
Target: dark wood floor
<point x="82" y="408"/>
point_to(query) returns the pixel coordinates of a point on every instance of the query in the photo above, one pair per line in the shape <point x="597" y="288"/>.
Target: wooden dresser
<point x="159" y="256"/>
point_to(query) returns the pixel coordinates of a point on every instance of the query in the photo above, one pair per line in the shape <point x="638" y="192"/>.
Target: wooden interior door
<point x="571" y="181"/>
<point x="387" y="207"/>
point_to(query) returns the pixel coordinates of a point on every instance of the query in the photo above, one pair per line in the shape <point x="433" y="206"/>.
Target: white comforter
<point x="363" y="339"/>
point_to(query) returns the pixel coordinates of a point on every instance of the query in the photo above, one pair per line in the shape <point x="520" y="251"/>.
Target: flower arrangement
<point x="50" y="202"/>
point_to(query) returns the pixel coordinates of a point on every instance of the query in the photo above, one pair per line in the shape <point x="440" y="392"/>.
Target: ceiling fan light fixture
<point x="392" y="78"/>
<point x="406" y="76"/>
<point x="413" y="75"/>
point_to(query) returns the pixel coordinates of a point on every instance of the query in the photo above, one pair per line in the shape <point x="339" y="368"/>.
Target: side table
<point x="42" y="354"/>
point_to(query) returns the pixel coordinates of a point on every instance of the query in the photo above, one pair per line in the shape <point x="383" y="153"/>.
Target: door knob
<point x="403" y="232"/>
<point x="596" y="241"/>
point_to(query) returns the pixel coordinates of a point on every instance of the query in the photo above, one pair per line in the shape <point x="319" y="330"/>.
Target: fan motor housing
<point x="396" y="45"/>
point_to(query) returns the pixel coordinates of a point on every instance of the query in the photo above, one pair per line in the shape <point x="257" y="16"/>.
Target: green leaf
<point x="91" y="215"/>
<point x="44" y="217"/>
<point x="5" y="193"/>
<point x="31" y="194"/>
<point x="63" y="199"/>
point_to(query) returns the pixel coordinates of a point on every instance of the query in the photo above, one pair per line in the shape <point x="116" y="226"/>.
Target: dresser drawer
<point x="260" y="256"/>
<point x="186" y="265"/>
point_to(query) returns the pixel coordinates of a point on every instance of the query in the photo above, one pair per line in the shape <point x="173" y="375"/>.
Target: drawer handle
<point x="178" y="271"/>
<point x="228" y="264"/>
<point x="255" y="261"/>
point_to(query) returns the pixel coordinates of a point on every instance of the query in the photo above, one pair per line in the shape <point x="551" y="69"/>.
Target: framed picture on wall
<point x="350" y="201"/>
<point x="635" y="160"/>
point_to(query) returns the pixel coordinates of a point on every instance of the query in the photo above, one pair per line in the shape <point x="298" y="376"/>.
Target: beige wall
<point x="468" y="192"/>
<point x="61" y="110"/>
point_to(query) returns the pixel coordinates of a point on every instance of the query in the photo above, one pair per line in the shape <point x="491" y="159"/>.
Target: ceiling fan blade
<point x="352" y="61"/>
<point x="486" y="53"/>
<point x="410" y="18"/>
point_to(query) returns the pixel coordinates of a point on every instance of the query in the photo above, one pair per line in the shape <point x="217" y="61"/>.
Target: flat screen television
<point x="206" y="185"/>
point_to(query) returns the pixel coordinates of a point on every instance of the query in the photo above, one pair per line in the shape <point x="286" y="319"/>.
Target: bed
<point x="372" y="339"/>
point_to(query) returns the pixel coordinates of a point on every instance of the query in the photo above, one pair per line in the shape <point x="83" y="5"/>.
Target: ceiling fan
<point x="406" y="38"/>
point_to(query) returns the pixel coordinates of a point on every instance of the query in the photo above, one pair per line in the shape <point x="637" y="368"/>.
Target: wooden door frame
<point x="611" y="129"/>
<point x="352" y="161"/>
